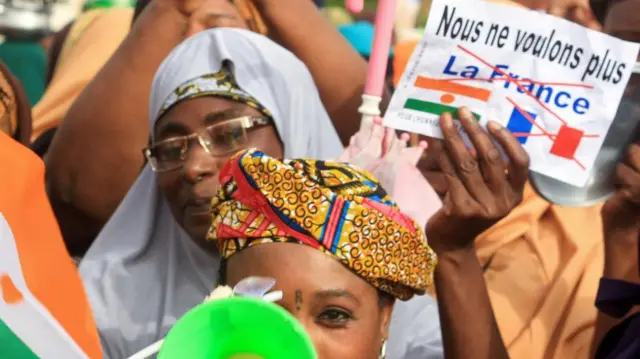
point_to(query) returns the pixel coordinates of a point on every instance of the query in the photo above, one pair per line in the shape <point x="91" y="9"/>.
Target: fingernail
<point x="423" y="144"/>
<point x="464" y="112"/>
<point x="405" y="136"/>
<point x="494" y="126"/>
<point x="447" y="121"/>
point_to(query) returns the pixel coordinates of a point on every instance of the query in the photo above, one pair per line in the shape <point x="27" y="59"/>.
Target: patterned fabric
<point x="330" y="206"/>
<point x="220" y="84"/>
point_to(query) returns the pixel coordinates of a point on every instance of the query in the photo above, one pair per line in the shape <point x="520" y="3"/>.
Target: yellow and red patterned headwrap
<point x="330" y="206"/>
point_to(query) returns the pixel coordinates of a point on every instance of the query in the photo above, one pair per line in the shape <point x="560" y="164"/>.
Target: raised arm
<point x="480" y="193"/>
<point x="621" y="223"/>
<point x="96" y="154"/>
<point x="338" y="70"/>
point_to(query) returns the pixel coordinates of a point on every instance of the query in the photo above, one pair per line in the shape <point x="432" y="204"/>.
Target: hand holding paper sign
<point x="480" y="191"/>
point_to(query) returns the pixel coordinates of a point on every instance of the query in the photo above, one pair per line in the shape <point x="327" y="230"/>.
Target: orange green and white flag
<point x="44" y="312"/>
<point x="443" y="95"/>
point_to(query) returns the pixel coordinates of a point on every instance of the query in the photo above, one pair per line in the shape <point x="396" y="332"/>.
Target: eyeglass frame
<point x="247" y="123"/>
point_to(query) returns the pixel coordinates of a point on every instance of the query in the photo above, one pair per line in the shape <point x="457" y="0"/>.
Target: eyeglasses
<point x="220" y="139"/>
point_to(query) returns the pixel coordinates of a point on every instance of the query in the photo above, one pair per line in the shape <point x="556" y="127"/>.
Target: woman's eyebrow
<point x="335" y="293"/>
<point x="171" y="128"/>
<point x="226" y="114"/>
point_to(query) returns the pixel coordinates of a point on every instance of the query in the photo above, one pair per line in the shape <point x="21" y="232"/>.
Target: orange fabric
<point x="47" y="268"/>
<point x="401" y="54"/>
<point x="544" y="265"/>
<point x="92" y="40"/>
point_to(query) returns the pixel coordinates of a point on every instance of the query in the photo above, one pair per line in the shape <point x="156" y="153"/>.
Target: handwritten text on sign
<point x="554" y="84"/>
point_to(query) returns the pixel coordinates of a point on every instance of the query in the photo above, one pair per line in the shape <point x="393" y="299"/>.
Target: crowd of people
<point x="181" y="136"/>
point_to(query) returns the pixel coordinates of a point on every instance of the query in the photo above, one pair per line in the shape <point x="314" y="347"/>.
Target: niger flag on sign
<point x="44" y="312"/>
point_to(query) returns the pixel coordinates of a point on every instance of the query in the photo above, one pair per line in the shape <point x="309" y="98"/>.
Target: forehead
<point x="295" y="266"/>
<point x="623" y="20"/>
<point x="194" y="112"/>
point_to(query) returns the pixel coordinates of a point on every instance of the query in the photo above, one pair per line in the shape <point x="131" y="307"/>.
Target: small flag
<point x="44" y="312"/>
<point x="566" y="142"/>
<point x="449" y="92"/>
<point x="521" y="125"/>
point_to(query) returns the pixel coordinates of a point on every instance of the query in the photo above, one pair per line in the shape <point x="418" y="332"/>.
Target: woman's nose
<point x="200" y="165"/>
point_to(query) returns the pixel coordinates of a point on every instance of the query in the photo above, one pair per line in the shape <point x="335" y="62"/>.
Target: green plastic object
<point x="228" y="328"/>
<point x="104" y="4"/>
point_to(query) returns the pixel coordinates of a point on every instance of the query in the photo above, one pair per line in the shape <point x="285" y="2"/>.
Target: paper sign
<point x="554" y="84"/>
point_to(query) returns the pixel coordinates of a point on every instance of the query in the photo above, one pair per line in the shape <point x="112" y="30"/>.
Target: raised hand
<point x="578" y="11"/>
<point x="483" y="187"/>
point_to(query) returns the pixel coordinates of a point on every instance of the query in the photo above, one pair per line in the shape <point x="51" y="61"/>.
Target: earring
<point x="383" y="350"/>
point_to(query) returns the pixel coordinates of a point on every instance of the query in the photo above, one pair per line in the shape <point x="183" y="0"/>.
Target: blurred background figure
<point x="77" y="53"/>
<point x="15" y="112"/>
<point x="24" y="26"/>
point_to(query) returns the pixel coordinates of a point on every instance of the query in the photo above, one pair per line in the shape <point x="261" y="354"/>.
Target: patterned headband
<point x="330" y="206"/>
<point x="220" y="84"/>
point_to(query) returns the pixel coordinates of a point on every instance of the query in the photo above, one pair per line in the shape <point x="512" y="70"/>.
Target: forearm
<point x="621" y="248"/>
<point x="337" y="69"/>
<point x="96" y="154"/>
<point x="469" y="328"/>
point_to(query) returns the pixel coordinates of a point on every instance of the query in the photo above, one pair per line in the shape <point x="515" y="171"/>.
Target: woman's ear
<point x="386" y="309"/>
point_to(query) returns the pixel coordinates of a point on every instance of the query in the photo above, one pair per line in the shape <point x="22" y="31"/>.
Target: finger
<point x="457" y="192"/>
<point x="558" y="11"/>
<point x="632" y="157"/>
<point x="518" y="157"/>
<point x="491" y="164"/>
<point x="466" y="167"/>
<point x="578" y="15"/>
<point x="628" y="183"/>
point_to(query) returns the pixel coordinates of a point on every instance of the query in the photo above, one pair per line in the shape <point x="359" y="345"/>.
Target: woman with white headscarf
<point x="218" y="92"/>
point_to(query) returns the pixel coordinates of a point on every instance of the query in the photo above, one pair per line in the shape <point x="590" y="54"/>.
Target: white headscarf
<point x="143" y="272"/>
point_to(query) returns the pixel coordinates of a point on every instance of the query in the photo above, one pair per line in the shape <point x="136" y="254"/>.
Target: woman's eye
<point x="335" y="317"/>
<point x="228" y="136"/>
<point x="170" y="151"/>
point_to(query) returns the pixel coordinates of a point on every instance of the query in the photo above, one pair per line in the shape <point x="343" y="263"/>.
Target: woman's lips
<point x="199" y="208"/>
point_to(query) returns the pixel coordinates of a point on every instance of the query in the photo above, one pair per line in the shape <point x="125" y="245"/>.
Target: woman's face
<point x="189" y="189"/>
<point x="340" y="311"/>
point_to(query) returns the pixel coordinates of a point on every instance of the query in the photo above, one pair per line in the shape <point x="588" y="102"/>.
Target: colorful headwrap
<point x="8" y="111"/>
<point x="330" y="206"/>
<point x="220" y="84"/>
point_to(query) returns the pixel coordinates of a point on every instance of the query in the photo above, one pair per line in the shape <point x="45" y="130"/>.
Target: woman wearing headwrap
<point x="347" y="225"/>
<point x="15" y="112"/>
<point x="341" y="251"/>
<point x="223" y="89"/>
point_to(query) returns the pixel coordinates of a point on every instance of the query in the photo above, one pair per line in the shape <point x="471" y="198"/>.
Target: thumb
<point x="556" y="10"/>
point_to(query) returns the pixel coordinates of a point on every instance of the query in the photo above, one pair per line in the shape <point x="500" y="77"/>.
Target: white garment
<point x="142" y="272"/>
